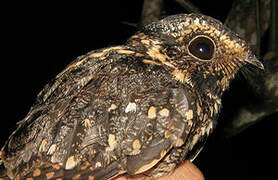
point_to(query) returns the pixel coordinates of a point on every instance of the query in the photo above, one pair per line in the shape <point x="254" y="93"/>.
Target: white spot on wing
<point x="43" y="145"/>
<point x="98" y="164"/>
<point x="71" y="163"/>
<point x="130" y="107"/>
<point x="51" y="149"/>
<point x="112" y="142"/>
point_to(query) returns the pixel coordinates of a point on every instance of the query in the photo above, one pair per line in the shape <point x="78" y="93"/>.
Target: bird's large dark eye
<point x="202" y="48"/>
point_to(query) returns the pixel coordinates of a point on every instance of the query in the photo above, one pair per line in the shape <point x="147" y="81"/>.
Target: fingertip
<point x="192" y="171"/>
<point x="185" y="171"/>
<point x="121" y="178"/>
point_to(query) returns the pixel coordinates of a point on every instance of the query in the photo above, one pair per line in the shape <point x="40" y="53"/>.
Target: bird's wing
<point x="158" y="122"/>
<point x="101" y="121"/>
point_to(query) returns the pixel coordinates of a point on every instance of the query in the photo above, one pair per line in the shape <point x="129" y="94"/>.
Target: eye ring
<point x="202" y="48"/>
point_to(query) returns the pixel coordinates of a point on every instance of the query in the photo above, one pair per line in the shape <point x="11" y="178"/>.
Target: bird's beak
<point x="251" y="59"/>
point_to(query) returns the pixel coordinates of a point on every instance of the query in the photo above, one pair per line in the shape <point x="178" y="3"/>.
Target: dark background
<point x="40" y="39"/>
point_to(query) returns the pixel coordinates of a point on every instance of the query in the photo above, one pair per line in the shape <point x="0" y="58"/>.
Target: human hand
<point x="186" y="171"/>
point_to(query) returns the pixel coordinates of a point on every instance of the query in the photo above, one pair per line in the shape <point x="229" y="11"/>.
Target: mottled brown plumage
<point x="143" y="107"/>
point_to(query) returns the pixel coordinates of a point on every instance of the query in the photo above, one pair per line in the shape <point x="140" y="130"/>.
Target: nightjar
<point x="138" y="108"/>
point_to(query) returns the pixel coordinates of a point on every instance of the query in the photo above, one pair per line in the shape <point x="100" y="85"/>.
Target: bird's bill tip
<point x="252" y="59"/>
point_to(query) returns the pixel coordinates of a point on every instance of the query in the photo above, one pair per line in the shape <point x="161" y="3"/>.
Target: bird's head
<point x="197" y="49"/>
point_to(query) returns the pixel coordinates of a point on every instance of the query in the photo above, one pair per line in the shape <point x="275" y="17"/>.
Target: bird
<point x="141" y="108"/>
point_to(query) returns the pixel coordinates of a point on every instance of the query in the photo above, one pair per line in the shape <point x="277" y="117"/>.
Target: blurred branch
<point x="244" y="20"/>
<point x="273" y="40"/>
<point x="188" y="6"/>
<point x="258" y="28"/>
<point x="151" y="11"/>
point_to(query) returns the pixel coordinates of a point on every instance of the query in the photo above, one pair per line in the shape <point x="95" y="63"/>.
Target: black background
<point x="40" y="39"/>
